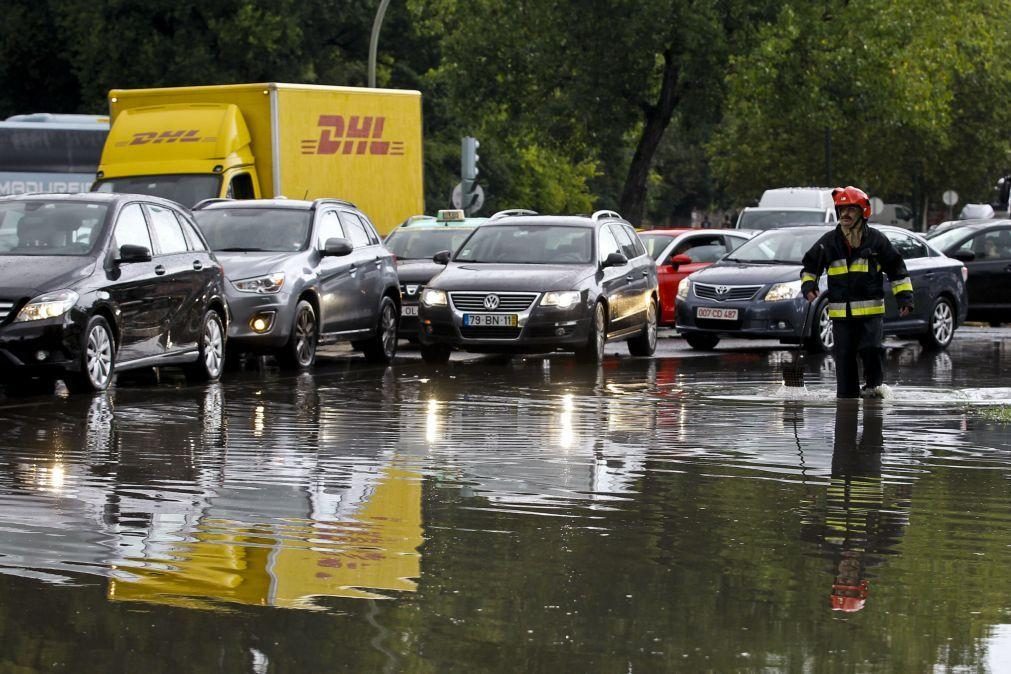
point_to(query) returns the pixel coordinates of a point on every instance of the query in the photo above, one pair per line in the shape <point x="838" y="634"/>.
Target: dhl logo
<point x="352" y="135"/>
<point x="155" y="137"/>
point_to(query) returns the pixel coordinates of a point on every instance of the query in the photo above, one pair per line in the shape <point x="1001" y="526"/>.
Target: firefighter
<point x="855" y="257"/>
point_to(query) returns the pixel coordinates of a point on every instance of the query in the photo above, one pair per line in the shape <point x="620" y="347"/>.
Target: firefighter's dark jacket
<point x="855" y="282"/>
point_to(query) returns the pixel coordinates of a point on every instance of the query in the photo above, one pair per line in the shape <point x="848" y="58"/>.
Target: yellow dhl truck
<point x="250" y="141"/>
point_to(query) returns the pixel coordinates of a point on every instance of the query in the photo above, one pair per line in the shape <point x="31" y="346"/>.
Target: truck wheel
<point x="97" y="359"/>
<point x="211" y="360"/>
<point x="942" y="325"/>
<point x="702" y="341"/>
<point x="383" y="346"/>
<point x="644" y="344"/>
<point x="300" y="351"/>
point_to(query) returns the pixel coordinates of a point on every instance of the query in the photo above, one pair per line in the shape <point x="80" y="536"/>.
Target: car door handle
<point x="645" y="272"/>
<point x="197" y="265"/>
<point x="159" y="270"/>
<point x="629" y="278"/>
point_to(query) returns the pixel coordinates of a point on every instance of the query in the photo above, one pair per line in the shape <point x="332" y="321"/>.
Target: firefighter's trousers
<point x="858" y="337"/>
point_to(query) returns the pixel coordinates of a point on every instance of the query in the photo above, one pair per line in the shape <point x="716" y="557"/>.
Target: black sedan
<point x="984" y="246"/>
<point x="92" y="284"/>
<point x="536" y="284"/>
<point x="755" y="293"/>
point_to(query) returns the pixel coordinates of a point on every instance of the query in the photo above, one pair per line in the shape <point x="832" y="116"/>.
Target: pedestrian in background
<point x="705" y="222"/>
<point x="855" y="257"/>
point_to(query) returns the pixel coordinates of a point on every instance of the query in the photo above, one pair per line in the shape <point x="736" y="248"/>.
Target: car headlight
<point x="563" y="299"/>
<point x="783" y="291"/>
<point x="432" y="297"/>
<point x="683" y="289"/>
<point x="49" y="305"/>
<point x="268" y="284"/>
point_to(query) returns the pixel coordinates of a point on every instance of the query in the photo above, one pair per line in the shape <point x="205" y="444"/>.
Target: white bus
<point x="50" y="153"/>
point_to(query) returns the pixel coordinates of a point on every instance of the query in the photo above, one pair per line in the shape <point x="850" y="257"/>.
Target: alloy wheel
<point x="214" y="346"/>
<point x="651" y="325"/>
<point x="305" y="335"/>
<point x="98" y="356"/>
<point x="600" y="330"/>
<point x="825" y="329"/>
<point x="943" y="323"/>
<point x="389" y="328"/>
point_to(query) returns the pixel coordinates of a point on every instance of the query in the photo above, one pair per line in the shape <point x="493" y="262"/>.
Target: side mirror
<point x="964" y="255"/>
<point x="130" y="253"/>
<point x="442" y="257"/>
<point x="614" y="260"/>
<point x="337" y="247"/>
<point x="677" y="260"/>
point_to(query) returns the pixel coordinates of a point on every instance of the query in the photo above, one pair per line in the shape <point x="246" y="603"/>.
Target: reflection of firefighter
<point x="859" y="526"/>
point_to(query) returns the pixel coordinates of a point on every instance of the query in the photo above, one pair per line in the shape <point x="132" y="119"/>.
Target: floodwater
<point x="682" y="513"/>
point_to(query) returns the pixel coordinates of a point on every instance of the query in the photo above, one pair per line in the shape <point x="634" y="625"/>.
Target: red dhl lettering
<point x="180" y="135"/>
<point x="355" y="134"/>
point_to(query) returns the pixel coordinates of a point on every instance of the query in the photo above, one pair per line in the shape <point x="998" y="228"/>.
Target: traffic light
<point x="469" y="158"/>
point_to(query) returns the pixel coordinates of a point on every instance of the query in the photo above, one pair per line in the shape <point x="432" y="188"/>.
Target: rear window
<point x="422" y="244"/>
<point x="779" y="218"/>
<point x="274" y="230"/>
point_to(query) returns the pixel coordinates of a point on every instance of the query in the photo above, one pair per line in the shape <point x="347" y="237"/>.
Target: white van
<point x="789" y="206"/>
<point x="798" y="197"/>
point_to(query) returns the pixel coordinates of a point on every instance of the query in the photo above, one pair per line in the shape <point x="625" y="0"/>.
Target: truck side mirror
<point x="337" y="247"/>
<point x="442" y="257"/>
<point x="130" y="253"/>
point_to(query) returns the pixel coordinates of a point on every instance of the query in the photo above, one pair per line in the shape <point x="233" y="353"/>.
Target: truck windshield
<point x="422" y="243"/>
<point x="50" y="227"/>
<point x="186" y="189"/>
<point x="274" y="230"/>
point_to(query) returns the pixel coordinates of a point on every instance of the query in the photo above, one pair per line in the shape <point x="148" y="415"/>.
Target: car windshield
<point x="529" y="244"/>
<point x="655" y="244"/>
<point x="778" y="218"/>
<point x="185" y="189"/>
<point x="275" y="230"/>
<point x="50" y="227"/>
<point x="785" y="246"/>
<point x="423" y="243"/>
<point x="949" y="237"/>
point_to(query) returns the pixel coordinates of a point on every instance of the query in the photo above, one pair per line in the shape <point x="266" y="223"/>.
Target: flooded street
<point x="679" y="513"/>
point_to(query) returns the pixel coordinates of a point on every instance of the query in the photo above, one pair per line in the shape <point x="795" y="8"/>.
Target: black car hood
<point x="517" y="277"/>
<point x="739" y="273"/>
<point x="31" y="275"/>
<point x="417" y="271"/>
<point x="247" y="265"/>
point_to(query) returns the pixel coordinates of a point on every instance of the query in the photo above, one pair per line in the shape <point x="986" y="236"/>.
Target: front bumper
<point x="756" y="319"/>
<point x="58" y="340"/>
<point x="277" y="310"/>
<point x="538" y="329"/>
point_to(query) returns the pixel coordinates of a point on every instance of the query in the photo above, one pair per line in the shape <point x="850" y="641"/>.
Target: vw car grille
<point x="722" y="293"/>
<point x="510" y="302"/>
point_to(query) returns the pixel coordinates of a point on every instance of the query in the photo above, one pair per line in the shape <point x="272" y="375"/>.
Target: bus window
<point x="50" y="153"/>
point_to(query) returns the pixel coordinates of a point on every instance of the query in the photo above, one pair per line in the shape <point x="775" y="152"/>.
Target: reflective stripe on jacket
<point x="856" y="275"/>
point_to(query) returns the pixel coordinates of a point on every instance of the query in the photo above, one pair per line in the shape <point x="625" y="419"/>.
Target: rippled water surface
<point x="670" y="514"/>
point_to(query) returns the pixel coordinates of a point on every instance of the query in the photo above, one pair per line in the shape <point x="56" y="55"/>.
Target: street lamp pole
<point x="374" y="41"/>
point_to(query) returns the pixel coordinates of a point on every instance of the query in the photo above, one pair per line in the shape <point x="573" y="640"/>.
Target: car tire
<point x="702" y="341"/>
<point x="211" y="360"/>
<point x="300" y="351"/>
<point x="941" y="325"/>
<point x="593" y="351"/>
<point x="435" y="353"/>
<point x="644" y="344"/>
<point x="821" y="338"/>
<point x="97" y="359"/>
<point x="382" y="347"/>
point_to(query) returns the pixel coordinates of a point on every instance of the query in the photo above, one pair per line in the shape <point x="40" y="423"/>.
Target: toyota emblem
<point x="491" y="302"/>
<point x="722" y="290"/>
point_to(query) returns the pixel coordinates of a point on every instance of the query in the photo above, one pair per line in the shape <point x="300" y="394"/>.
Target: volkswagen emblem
<point x="412" y="290"/>
<point x="722" y="290"/>
<point x="491" y="302"/>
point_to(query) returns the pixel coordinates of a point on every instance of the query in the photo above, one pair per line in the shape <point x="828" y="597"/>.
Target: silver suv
<point x="300" y="274"/>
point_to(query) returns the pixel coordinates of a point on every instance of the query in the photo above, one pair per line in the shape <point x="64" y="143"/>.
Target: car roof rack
<point x="606" y="215"/>
<point x="208" y="202"/>
<point x="331" y="200"/>
<point x="512" y="212"/>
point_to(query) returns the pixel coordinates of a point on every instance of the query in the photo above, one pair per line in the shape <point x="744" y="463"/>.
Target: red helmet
<point x="852" y="196"/>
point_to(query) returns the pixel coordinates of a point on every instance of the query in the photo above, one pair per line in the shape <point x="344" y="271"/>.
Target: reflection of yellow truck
<point x="250" y="141"/>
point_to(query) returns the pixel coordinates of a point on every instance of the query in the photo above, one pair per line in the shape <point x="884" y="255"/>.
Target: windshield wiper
<point x="241" y="250"/>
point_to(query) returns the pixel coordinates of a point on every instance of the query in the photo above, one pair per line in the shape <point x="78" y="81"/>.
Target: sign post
<point x="950" y="198"/>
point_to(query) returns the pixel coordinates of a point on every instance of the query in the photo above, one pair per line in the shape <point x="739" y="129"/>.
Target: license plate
<point x="716" y="313"/>
<point x="490" y="320"/>
<point x="409" y="310"/>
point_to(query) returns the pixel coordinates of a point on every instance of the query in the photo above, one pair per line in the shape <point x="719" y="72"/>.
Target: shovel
<point x="793" y="372"/>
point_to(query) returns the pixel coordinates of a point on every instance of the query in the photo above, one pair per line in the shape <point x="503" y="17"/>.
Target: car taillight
<point x="965" y="274"/>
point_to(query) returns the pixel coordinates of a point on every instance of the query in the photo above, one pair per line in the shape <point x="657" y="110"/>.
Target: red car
<point x="679" y="252"/>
